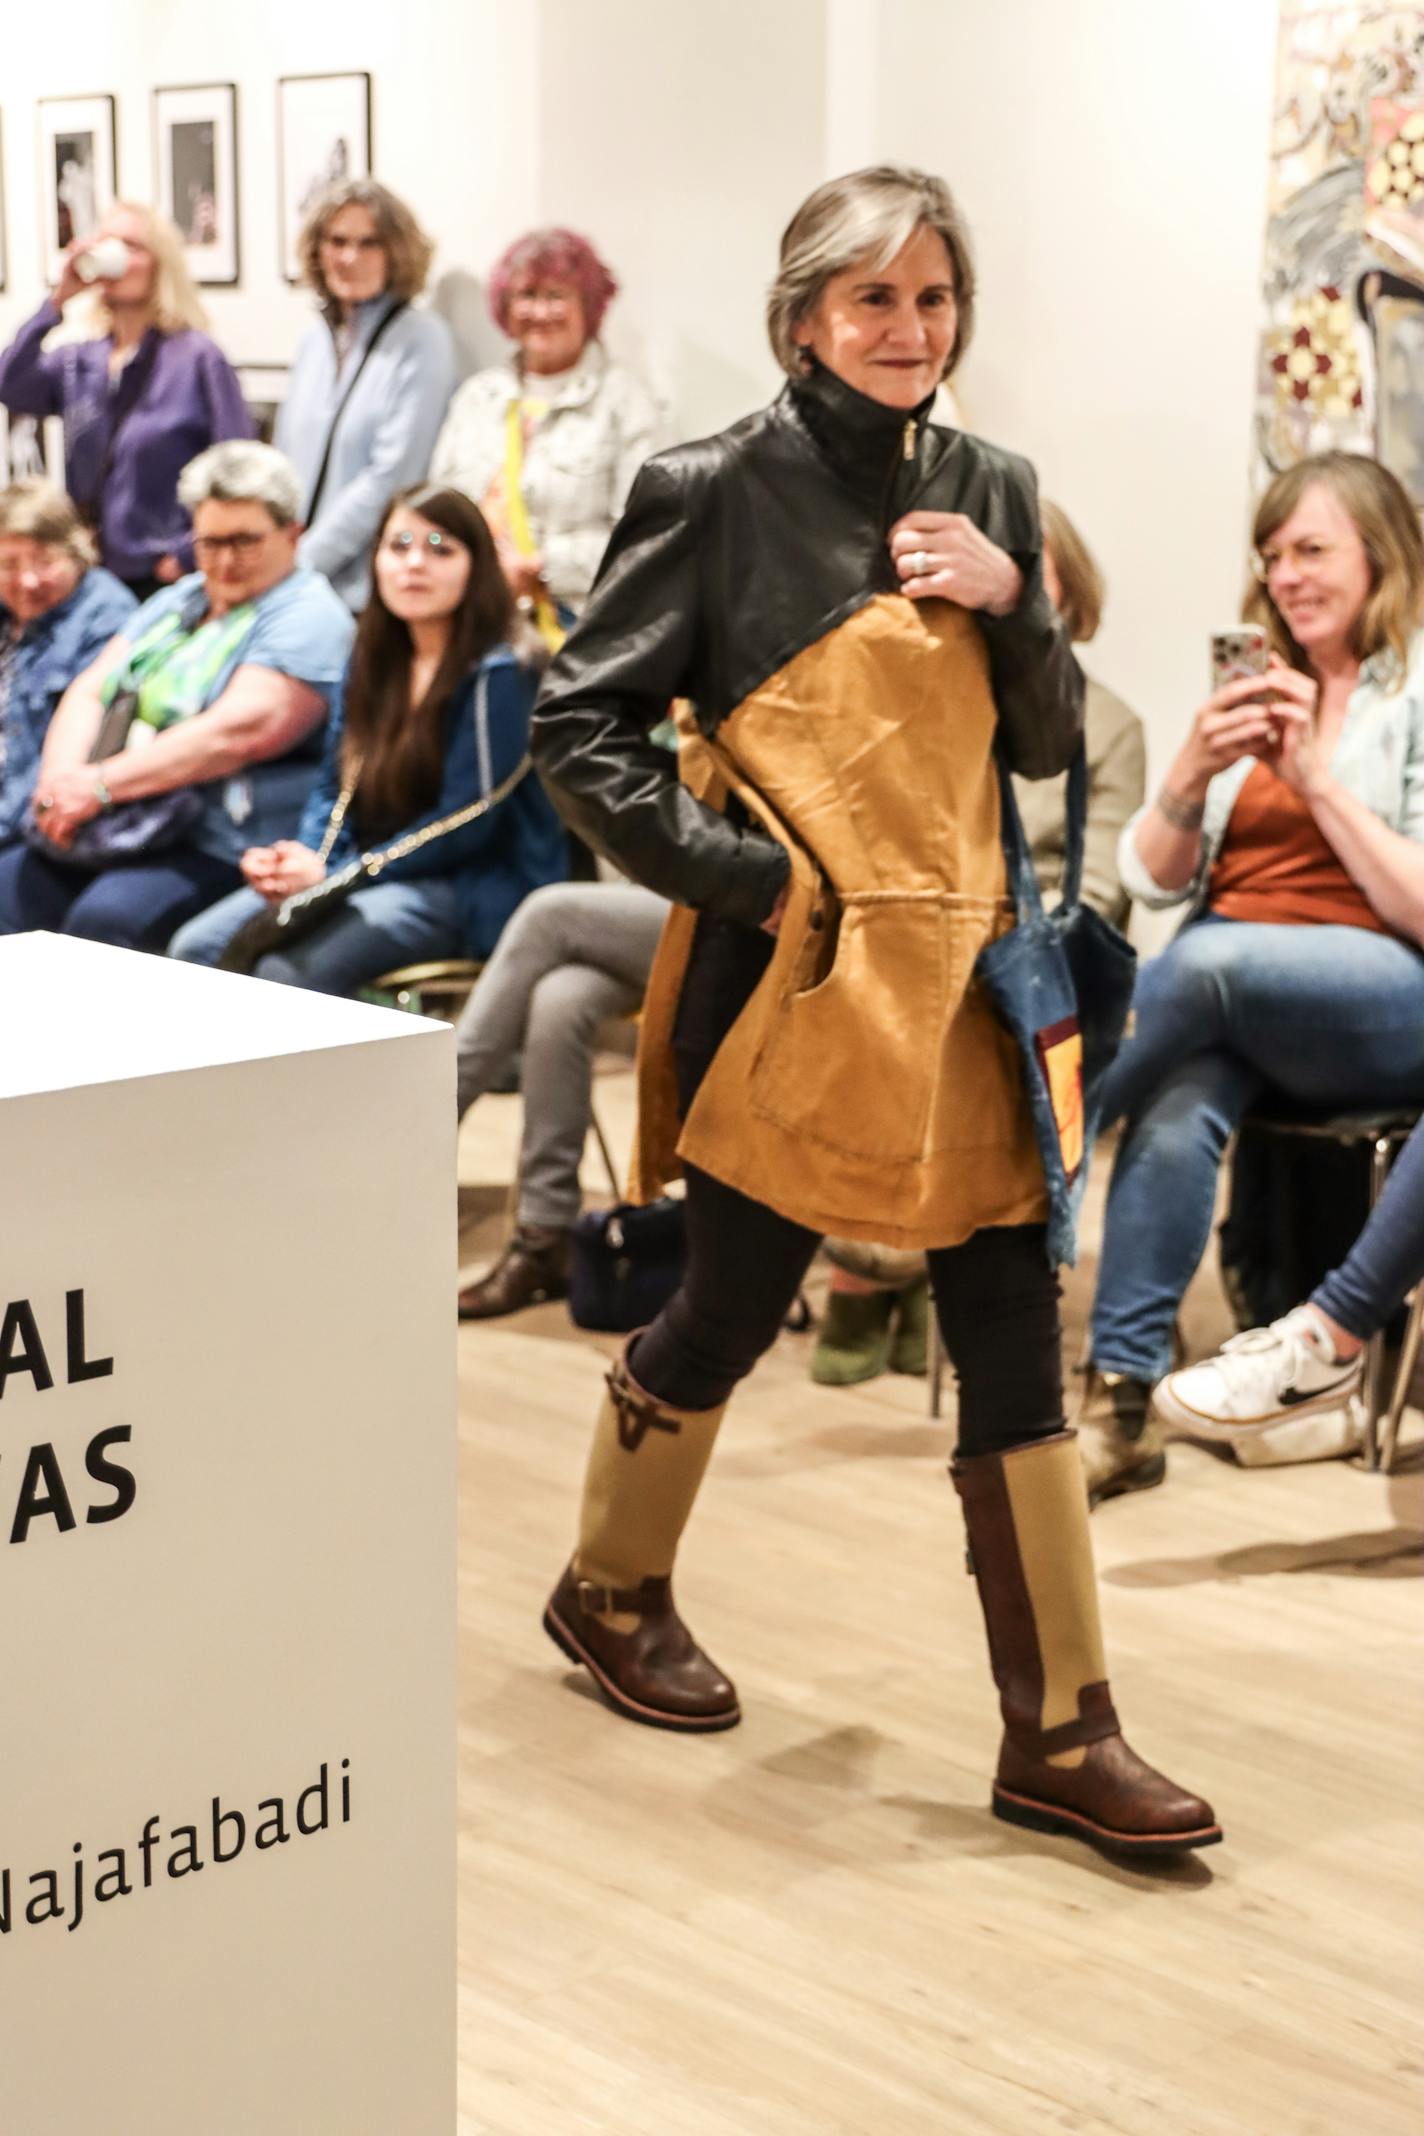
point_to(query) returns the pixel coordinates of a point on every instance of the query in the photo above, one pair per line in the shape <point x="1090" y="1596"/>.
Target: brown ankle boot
<point x="1120" y="1436"/>
<point x="1063" y="1766"/>
<point x="613" y="1609"/>
<point x="534" y="1266"/>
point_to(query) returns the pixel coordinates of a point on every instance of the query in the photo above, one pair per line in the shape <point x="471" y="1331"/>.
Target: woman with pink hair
<point x="548" y="443"/>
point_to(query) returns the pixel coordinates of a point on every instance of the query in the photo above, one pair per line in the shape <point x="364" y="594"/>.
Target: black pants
<point x="995" y="1296"/>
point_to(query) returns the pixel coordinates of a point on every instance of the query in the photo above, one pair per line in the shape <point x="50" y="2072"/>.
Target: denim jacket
<point x="498" y="859"/>
<point x="1379" y="758"/>
<point x="51" y="652"/>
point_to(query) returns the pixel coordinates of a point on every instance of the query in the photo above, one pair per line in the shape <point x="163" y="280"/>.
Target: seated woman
<point x="1310" y="1362"/>
<point x="877" y="1301"/>
<point x="1292" y="825"/>
<point x="57" y="609"/>
<point x="549" y="442"/>
<point x="434" y="717"/>
<point x="571" y="958"/>
<point x="224" y="680"/>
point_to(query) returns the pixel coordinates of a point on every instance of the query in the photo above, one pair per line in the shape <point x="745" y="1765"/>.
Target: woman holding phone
<point x="1291" y="825"/>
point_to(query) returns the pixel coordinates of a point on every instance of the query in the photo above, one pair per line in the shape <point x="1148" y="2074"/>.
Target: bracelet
<point x="101" y="793"/>
<point x="1182" y="815"/>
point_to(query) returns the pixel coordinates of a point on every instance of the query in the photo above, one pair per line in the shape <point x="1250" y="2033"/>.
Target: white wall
<point x="1111" y="158"/>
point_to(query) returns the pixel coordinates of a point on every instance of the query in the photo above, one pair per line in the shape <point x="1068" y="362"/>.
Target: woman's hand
<point x="279" y="871"/>
<point x="1232" y="723"/>
<point x="1295" y="758"/>
<point x="943" y="556"/>
<point x="69" y="283"/>
<point x="524" y="573"/>
<point x="168" y="570"/>
<point x="65" y="799"/>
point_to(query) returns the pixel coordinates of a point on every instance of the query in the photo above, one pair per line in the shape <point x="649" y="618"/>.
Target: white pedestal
<point x="243" y="1197"/>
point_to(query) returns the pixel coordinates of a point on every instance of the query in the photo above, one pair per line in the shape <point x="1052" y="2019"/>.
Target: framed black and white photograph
<point x="78" y="171"/>
<point x="323" y="136"/>
<point x="195" y="156"/>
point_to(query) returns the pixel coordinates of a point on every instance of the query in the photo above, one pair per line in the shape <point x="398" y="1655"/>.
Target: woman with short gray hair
<point x="851" y="599"/>
<point x="195" y="733"/>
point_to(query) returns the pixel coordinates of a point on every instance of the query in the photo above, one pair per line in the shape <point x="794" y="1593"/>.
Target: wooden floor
<point x="810" y="1926"/>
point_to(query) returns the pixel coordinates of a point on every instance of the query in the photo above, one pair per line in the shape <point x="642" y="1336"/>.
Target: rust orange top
<point x="1278" y="865"/>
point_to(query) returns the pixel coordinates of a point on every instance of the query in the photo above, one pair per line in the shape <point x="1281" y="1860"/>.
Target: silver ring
<point x="920" y="563"/>
<point x="45" y="801"/>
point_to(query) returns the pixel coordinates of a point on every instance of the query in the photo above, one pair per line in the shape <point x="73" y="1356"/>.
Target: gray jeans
<point x="573" y="955"/>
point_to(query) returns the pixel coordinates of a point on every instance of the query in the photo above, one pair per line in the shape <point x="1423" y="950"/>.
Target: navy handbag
<point x="1062" y="981"/>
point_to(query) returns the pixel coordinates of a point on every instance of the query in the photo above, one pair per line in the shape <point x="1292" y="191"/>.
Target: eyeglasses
<point x="557" y="301"/>
<point x="48" y="566"/>
<point x="353" y="244"/>
<point x="215" y="545"/>
<point x="433" y="540"/>
<point x="1305" y="555"/>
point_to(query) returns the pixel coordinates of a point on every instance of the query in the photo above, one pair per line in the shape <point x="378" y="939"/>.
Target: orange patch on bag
<point x="1060" y="1052"/>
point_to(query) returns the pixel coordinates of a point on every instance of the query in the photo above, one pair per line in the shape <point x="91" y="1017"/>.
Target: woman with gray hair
<point x="195" y="733"/>
<point x="851" y="598"/>
<point x="370" y="381"/>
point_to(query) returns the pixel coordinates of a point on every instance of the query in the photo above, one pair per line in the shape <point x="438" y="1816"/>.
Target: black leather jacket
<point x="736" y="553"/>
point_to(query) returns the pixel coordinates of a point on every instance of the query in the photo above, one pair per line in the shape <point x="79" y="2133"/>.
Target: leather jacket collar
<point x="867" y="444"/>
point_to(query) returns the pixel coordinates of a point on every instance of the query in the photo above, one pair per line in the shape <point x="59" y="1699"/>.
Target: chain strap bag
<point x="301" y="914"/>
<point x="1062" y="981"/>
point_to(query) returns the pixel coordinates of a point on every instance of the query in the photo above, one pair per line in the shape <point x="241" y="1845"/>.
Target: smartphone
<point x="1237" y="653"/>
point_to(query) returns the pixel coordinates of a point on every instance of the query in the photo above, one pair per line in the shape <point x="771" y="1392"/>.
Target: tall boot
<point x="613" y="1610"/>
<point x="1063" y="1766"/>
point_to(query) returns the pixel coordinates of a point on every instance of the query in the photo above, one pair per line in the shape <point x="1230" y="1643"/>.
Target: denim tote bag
<point x="1062" y="982"/>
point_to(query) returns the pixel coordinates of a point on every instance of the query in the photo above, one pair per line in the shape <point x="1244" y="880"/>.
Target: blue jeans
<point x="1328" y="1016"/>
<point x="136" y="906"/>
<point x="382" y="926"/>
<point x="1387" y="1258"/>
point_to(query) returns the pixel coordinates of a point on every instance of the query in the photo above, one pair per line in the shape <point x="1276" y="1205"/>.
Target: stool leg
<point x="1407" y="1356"/>
<point x="936" y="1365"/>
<point x="1373" y="1388"/>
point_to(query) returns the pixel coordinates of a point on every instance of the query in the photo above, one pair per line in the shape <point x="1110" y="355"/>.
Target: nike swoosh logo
<point x="1291" y="1397"/>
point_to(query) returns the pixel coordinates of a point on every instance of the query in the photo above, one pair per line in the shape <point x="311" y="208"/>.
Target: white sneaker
<point x="1266" y="1376"/>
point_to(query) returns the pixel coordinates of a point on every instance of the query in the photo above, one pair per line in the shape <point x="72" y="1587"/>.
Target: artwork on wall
<point x="78" y="171"/>
<point x="323" y="136"/>
<point x="264" y="388"/>
<point x="1342" y="344"/>
<point x="195" y="163"/>
<point x="4" y="245"/>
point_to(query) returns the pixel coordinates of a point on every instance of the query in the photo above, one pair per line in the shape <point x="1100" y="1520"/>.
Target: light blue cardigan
<point x="383" y="441"/>
<point x="1379" y="758"/>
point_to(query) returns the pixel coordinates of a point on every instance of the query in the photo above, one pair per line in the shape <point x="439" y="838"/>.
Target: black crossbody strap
<point x="351" y="384"/>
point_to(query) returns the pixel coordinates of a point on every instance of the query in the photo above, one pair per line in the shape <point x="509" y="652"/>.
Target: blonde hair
<point x="1386" y="523"/>
<point x="1082" y="591"/>
<point x="408" y="250"/>
<point x="175" y="300"/>
<point x="37" y="511"/>
<point x="871" y="213"/>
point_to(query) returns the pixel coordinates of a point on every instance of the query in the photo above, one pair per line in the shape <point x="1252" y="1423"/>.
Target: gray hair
<point x="869" y="214"/>
<point x="242" y="472"/>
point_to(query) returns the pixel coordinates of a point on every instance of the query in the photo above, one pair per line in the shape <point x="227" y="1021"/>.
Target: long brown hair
<point x="1389" y="528"/>
<point x="400" y="747"/>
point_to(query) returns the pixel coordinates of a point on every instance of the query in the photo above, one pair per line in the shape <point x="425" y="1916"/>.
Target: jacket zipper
<point x="904" y="456"/>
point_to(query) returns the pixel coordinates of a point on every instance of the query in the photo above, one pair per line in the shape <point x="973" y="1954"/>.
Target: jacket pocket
<point x="857" y="1058"/>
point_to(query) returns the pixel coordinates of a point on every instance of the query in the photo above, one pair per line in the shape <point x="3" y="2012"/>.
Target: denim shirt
<point x="1379" y="758"/>
<point x="51" y="652"/>
<point x="383" y="439"/>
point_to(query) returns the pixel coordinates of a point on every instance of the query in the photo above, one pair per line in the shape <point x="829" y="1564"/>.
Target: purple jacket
<point x="177" y="395"/>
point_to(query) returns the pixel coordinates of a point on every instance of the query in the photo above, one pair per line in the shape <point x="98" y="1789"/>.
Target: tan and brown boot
<point x="613" y="1611"/>
<point x="1063" y="1765"/>
<point x="1120" y="1436"/>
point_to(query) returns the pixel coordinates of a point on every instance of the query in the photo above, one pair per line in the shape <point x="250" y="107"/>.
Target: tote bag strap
<point x="366" y="354"/>
<point x="1023" y="880"/>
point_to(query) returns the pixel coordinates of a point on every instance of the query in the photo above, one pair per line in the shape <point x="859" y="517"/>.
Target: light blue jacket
<point x="1379" y="758"/>
<point x="383" y="440"/>
<point x="52" y="651"/>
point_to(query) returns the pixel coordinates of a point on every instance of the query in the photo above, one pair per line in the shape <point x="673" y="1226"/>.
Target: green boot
<point x="910" y="1348"/>
<point x="854" y="1342"/>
